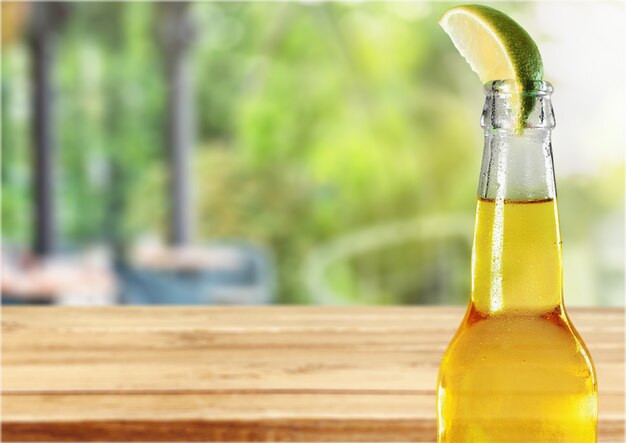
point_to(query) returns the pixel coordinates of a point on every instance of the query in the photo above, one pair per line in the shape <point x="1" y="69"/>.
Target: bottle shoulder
<point x="518" y="345"/>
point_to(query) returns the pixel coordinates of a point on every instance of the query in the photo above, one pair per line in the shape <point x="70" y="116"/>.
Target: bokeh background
<point x="300" y="152"/>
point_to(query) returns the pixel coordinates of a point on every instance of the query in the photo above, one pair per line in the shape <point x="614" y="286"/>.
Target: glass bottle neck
<point x="517" y="167"/>
<point x="516" y="258"/>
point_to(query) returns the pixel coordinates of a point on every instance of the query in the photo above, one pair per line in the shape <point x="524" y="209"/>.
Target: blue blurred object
<point x="251" y="281"/>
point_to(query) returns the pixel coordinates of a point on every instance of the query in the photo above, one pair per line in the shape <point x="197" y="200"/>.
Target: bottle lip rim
<point x="510" y="87"/>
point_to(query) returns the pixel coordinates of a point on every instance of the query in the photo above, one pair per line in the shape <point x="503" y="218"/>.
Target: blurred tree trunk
<point x="46" y="20"/>
<point x="175" y="34"/>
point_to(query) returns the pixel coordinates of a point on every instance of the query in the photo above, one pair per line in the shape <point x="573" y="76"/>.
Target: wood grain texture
<point x="248" y="374"/>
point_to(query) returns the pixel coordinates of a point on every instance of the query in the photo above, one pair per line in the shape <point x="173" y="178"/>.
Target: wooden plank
<point x="216" y="405"/>
<point x="249" y="411"/>
<point x="244" y="318"/>
<point x="248" y="374"/>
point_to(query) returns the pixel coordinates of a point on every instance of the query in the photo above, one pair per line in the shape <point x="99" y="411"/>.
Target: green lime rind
<point x="523" y="53"/>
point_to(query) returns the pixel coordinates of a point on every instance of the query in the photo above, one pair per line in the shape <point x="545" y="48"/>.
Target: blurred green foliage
<point x="313" y="120"/>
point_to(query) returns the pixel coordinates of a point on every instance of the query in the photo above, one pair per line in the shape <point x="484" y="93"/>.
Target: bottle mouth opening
<point x="530" y="88"/>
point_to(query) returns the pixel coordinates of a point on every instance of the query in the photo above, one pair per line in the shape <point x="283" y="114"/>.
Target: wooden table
<point x="248" y="374"/>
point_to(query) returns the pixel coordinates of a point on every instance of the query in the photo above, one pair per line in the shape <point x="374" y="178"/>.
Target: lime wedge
<point x="496" y="48"/>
